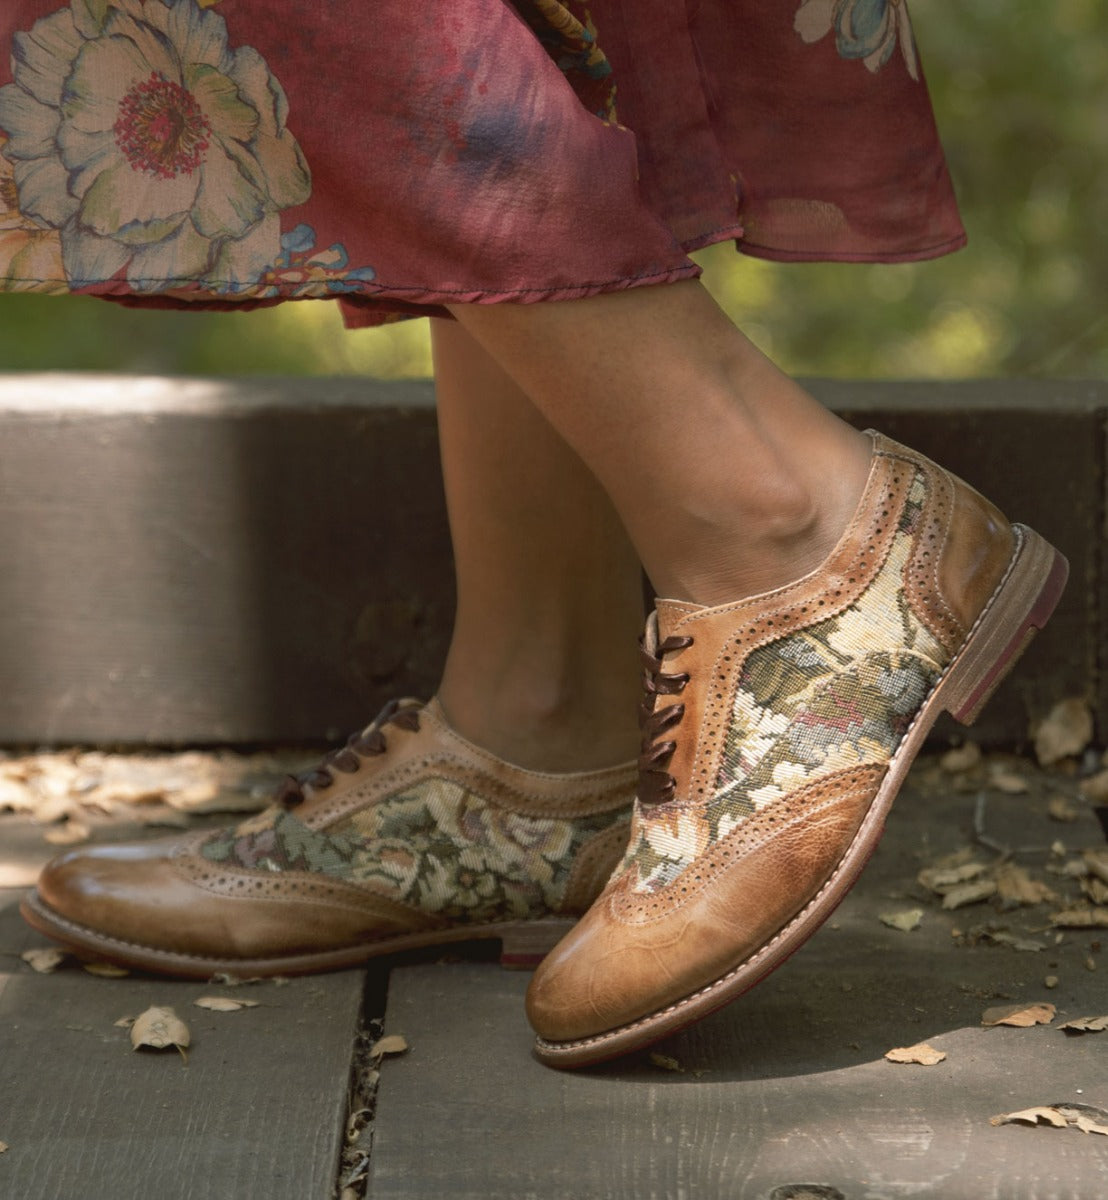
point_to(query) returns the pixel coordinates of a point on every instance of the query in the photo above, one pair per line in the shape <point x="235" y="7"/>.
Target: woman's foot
<point x="777" y="731"/>
<point x="410" y="836"/>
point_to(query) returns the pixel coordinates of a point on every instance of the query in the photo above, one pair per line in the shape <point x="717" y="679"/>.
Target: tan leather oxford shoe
<point x="410" y="836"/>
<point x="778" y="731"/>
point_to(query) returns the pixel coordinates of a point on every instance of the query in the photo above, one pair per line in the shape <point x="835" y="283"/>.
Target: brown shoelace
<point x="656" y="784"/>
<point x="348" y="758"/>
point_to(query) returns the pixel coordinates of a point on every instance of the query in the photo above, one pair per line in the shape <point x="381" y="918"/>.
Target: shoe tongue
<point x="669" y="613"/>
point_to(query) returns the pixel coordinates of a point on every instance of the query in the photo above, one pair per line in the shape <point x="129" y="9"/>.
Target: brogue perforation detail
<point x="281" y="885"/>
<point x="808" y="607"/>
<point x="860" y="784"/>
<point x="921" y="573"/>
<point x="801" y="698"/>
<point x="440" y="826"/>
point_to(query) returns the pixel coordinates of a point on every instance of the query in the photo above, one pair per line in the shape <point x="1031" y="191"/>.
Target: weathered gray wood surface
<point x="188" y="561"/>
<point x="257" y="1114"/>
<point x="268" y="560"/>
<point x="788" y="1085"/>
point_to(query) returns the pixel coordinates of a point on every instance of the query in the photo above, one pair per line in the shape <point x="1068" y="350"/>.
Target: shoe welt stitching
<point x="269" y="885"/>
<point x="478" y="931"/>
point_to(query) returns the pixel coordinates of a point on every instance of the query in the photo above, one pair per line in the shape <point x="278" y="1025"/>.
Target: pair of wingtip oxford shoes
<point x="777" y="731"/>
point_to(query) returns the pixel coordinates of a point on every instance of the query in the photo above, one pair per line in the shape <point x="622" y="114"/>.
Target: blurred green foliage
<point x="1021" y="93"/>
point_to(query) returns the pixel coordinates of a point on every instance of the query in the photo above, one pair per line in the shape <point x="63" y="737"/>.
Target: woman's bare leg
<point x="542" y="669"/>
<point x="777" y="727"/>
<point x="728" y="476"/>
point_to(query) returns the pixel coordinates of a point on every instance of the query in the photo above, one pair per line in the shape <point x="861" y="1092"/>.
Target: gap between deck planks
<point x="258" y="1113"/>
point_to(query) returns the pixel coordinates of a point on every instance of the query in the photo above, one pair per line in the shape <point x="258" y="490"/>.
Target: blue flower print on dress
<point x="151" y="146"/>
<point x="303" y="272"/>
<point x="865" y="29"/>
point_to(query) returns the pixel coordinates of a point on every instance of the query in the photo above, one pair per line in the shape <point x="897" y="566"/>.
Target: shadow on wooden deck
<point x="788" y="1085"/>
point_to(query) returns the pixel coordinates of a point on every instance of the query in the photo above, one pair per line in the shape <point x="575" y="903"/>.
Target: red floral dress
<point x="399" y="156"/>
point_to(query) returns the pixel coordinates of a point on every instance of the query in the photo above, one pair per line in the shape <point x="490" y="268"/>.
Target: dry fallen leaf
<point x="1060" y="808"/>
<point x="1072" y="868"/>
<point x="1065" y="732"/>
<point x="1032" y="1116"/>
<point x="906" y="920"/>
<point x="1016" y="886"/>
<point x="1001" y="937"/>
<point x="969" y="893"/>
<point x="224" y="1003"/>
<point x="160" y="1028"/>
<point x="942" y="879"/>
<point x="105" y="970"/>
<point x="1095" y="788"/>
<point x="16" y="797"/>
<point x="1081" y="918"/>
<point x="922" y="1054"/>
<point x="43" y="961"/>
<point x="356" y="1122"/>
<point x="1082" y="1117"/>
<point x="68" y="834"/>
<point x="3" y="1147"/>
<point x="1081" y="1025"/>
<point x="961" y="758"/>
<point x="124" y="1022"/>
<point x="1006" y="780"/>
<point x="1097" y="862"/>
<point x="391" y="1043"/>
<point x="1021" y="1015"/>
<point x="666" y="1062"/>
<point x="207" y="797"/>
<point x="1096" y="889"/>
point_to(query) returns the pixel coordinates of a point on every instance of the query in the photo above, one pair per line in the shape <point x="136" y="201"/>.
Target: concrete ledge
<point x="268" y="560"/>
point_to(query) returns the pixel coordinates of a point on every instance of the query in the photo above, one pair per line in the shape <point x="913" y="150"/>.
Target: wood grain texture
<point x="257" y="1114"/>
<point x="787" y="1085"/>
<point x="243" y="563"/>
<point x="235" y="561"/>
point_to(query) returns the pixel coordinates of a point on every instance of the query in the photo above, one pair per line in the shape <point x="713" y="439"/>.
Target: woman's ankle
<point x="750" y="549"/>
<point x="541" y="728"/>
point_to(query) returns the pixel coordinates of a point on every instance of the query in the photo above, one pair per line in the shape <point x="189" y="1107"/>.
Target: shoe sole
<point x="523" y="944"/>
<point x="1018" y="609"/>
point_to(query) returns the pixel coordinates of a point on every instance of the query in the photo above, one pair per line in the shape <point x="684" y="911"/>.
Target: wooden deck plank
<point x="197" y="561"/>
<point x="787" y="1085"/>
<point x="257" y="1113"/>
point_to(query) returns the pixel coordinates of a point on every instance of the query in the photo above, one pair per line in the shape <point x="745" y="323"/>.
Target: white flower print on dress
<point x="151" y="146"/>
<point x="28" y="253"/>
